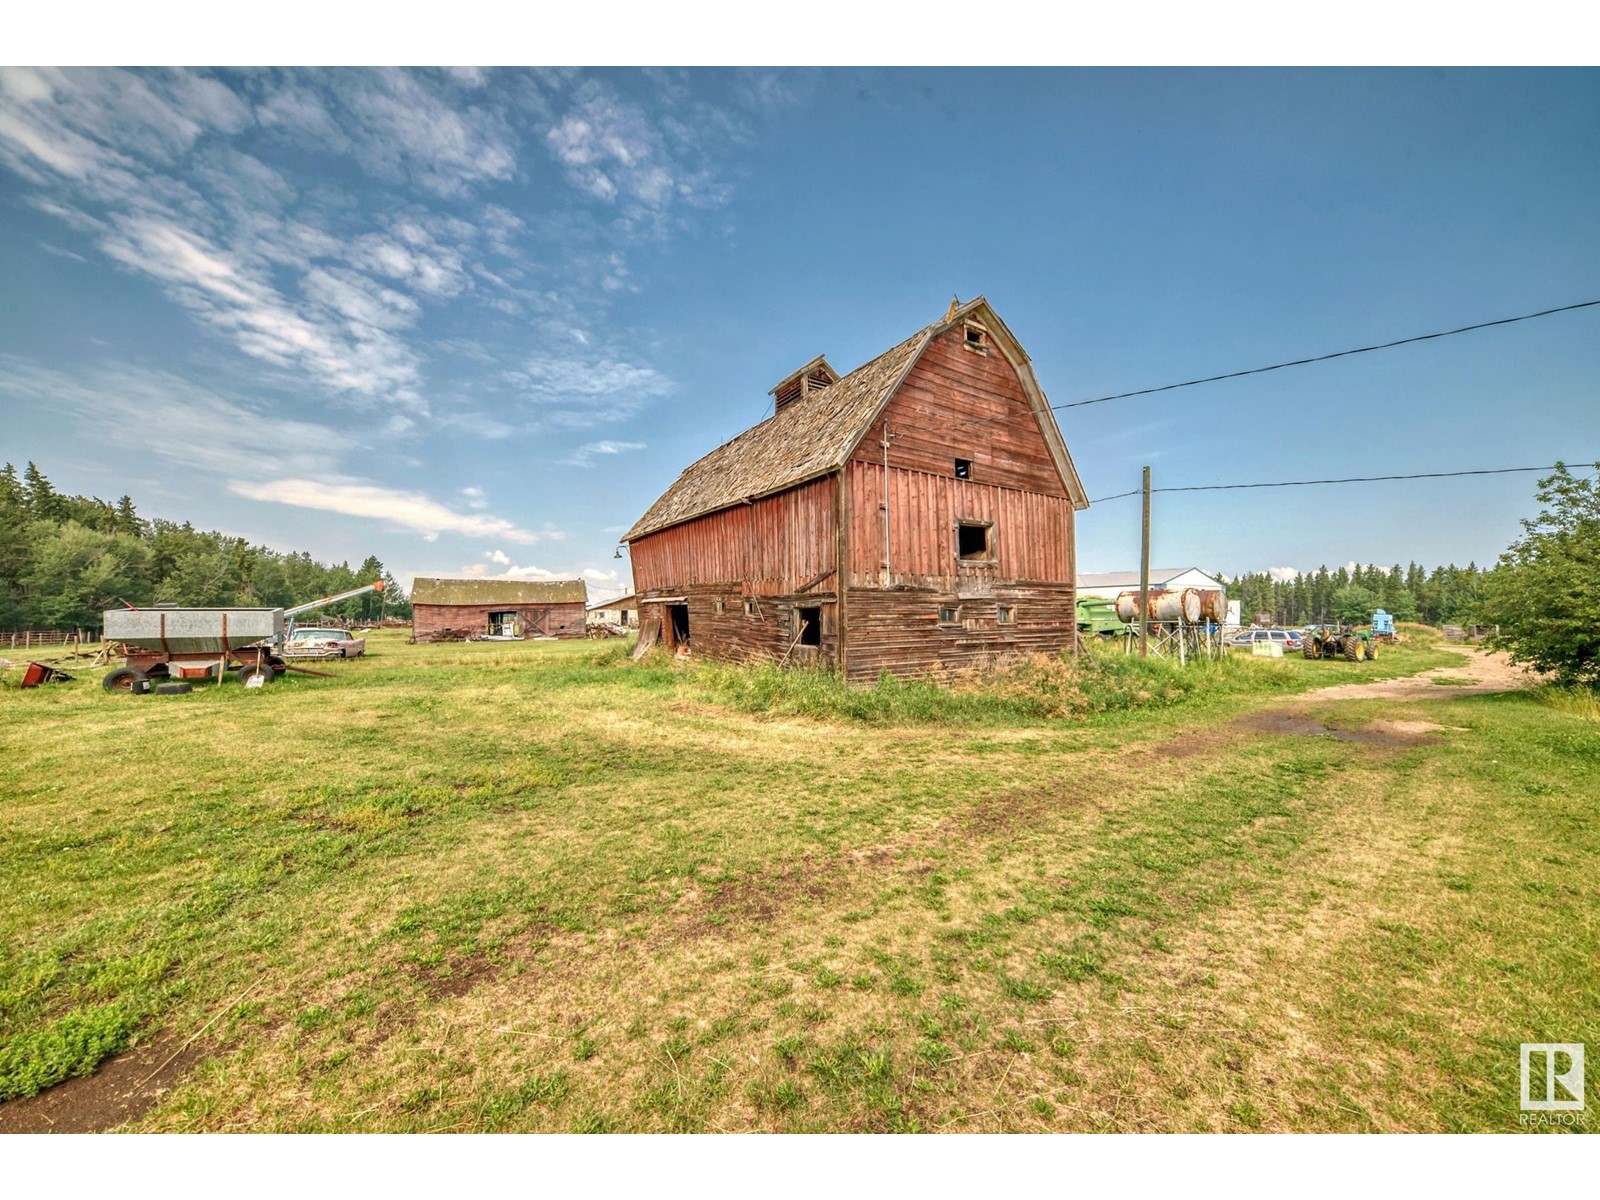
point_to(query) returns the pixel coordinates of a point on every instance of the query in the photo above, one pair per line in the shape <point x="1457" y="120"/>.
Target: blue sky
<point x="475" y="321"/>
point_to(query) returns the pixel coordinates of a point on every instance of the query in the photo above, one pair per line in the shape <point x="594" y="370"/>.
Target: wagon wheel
<point x="250" y="671"/>
<point x="126" y="679"/>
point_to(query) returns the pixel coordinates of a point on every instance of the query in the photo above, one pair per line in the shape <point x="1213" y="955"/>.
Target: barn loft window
<point x="976" y="338"/>
<point x="963" y="468"/>
<point x="974" y="541"/>
<point x="1004" y="615"/>
<point x="720" y="606"/>
<point x="749" y="608"/>
<point x="949" y="614"/>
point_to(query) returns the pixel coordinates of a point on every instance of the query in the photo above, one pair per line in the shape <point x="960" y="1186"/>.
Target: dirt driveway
<point x="1480" y="671"/>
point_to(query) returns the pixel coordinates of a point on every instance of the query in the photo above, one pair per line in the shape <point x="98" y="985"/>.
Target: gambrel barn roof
<point x="817" y="433"/>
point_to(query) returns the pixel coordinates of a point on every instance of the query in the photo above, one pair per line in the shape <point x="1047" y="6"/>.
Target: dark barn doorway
<point x="678" y="619"/>
<point x="810" y="626"/>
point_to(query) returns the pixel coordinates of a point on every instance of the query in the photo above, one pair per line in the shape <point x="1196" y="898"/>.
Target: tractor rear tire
<point x="1372" y="650"/>
<point x="127" y="679"/>
<point x="1309" y="650"/>
<point x="1352" y="650"/>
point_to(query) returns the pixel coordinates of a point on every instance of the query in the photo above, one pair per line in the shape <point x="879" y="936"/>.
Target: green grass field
<point x="537" y="887"/>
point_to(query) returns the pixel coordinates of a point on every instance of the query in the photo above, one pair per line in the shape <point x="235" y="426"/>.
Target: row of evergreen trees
<point x="1445" y="595"/>
<point x="65" y="559"/>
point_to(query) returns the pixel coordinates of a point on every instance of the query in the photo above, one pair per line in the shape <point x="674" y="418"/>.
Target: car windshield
<point x="317" y="635"/>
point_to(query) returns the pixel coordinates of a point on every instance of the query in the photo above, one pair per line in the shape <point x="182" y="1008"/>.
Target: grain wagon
<point x="167" y="642"/>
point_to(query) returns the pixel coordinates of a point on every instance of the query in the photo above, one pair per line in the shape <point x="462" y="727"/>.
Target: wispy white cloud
<point x="341" y="334"/>
<point x="154" y="413"/>
<point x="396" y="124"/>
<point x="579" y="393"/>
<point x="405" y="510"/>
<point x="196" y="180"/>
<point x="642" y="160"/>
<point x="585" y="455"/>
<point x="1284" y="574"/>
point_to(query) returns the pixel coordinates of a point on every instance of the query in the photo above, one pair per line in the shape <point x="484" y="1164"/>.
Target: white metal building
<point x="1112" y="584"/>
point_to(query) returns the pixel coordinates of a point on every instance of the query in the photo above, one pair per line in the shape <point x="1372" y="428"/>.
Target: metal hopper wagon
<point x="189" y="644"/>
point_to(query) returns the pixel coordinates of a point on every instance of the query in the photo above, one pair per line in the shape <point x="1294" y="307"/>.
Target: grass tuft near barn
<point x="535" y="886"/>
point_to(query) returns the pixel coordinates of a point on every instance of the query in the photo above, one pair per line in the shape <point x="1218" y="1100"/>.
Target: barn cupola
<point x="812" y="377"/>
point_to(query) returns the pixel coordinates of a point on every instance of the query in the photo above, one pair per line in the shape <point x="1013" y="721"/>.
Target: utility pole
<point x="1144" y="573"/>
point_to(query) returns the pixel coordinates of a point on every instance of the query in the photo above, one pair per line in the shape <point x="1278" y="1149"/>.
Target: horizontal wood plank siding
<point x="956" y="403"/>
<point x="771" y="547"/>
<point x="552" y="620"/>
<point x="733" y="635"/>
<point x="899" y="632"/>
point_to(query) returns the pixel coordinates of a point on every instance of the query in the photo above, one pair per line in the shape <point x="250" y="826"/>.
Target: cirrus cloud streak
<point x="406" y="510"/>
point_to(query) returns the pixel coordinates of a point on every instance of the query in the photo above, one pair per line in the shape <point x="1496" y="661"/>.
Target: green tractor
<point x="1338" y="642"/>
<point x="1098" y="618"/>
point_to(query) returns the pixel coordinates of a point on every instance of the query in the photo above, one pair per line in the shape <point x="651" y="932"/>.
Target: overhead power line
<point x="1300" y="362"/>
<point x="1228" y="487"/>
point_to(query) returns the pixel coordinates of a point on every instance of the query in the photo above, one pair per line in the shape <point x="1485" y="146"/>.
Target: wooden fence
<point x="28" y="639"/>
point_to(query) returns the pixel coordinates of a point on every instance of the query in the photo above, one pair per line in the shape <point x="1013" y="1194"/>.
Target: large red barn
<point x="916" y="513"/>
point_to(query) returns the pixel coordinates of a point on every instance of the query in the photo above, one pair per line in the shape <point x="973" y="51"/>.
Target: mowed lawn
<point x="537" y="887"/>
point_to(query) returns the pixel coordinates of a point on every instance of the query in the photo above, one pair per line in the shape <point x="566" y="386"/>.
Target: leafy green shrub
<point x="73" y="1045"/>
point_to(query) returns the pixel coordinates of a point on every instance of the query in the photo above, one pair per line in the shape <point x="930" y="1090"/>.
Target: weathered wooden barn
<point x="915" y="513"/>
<point x="519" y="608"/>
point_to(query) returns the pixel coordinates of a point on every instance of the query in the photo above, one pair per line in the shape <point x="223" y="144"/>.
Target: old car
<point x="1289" y="639"/>
<point x="315" y="641"/>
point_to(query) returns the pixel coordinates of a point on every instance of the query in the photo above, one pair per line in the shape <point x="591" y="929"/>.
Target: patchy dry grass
<point x="535" y="887"/>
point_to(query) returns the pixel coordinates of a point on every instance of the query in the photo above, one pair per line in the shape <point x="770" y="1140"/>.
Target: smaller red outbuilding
<point x="502" y="608"/>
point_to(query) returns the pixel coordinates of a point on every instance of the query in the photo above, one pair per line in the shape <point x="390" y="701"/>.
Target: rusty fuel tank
<point x="1166" y="607"/>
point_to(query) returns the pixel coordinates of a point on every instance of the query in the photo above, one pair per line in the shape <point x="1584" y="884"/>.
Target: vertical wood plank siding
<point x="1032" y="534"/>
<point x="769" y="547"/>
<point x="956" y="403"/>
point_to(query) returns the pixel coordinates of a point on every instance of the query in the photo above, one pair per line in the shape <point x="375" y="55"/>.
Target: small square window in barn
<point x="963" y="468"/>
<point x="976" y="338"/>
<point x="750" y="608"/>
<point x="719" y="605"/>
<point x="949" y="615"/>
<point x="974" y="541"/>
<point x="810" y="626"/>
<point x="1005" y="615"/>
